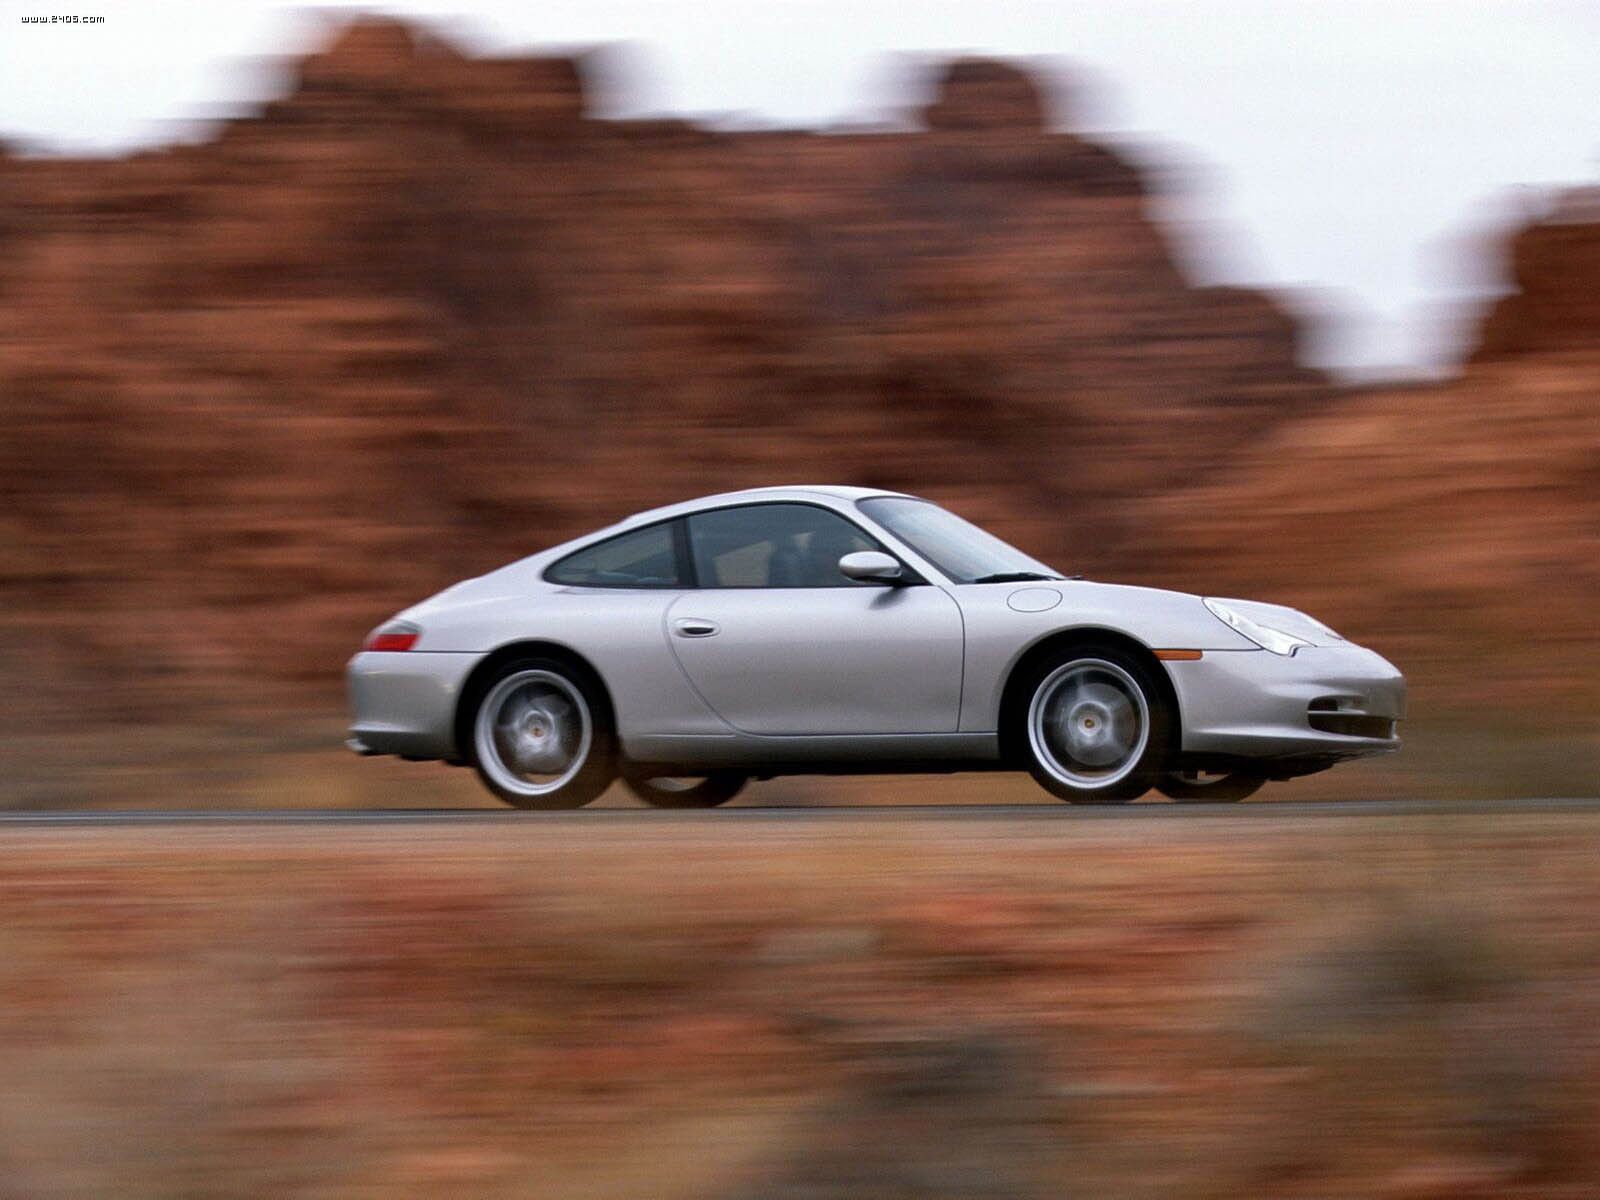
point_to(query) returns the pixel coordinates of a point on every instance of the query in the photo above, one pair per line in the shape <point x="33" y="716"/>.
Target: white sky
<point x="1348" y="150"/>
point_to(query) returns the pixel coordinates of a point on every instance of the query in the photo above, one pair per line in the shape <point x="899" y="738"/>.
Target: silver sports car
<point x="809" y="630"/>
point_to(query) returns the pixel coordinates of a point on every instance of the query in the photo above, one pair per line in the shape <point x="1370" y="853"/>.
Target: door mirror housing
<point x="872" y="566"/>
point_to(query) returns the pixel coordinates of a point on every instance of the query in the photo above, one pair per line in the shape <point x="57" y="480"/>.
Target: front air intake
<point x="1343" y="715"/>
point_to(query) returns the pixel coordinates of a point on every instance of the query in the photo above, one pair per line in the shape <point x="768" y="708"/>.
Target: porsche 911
<point x="841" y="630"/>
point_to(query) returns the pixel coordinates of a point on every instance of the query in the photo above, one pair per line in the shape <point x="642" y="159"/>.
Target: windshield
<point x="959" y="548"/>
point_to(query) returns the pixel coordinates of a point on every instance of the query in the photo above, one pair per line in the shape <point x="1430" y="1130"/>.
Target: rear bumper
<point x="405" y="703"/>
<point x="1259" y="705"/>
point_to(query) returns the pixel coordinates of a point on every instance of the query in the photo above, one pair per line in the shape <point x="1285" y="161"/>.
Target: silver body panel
<point x="831" y="661"/>
<point x="1253" y="703"/>
<point x="863" y="675"/>
<point x="997" y="635"/>
<point x="405" y="703"/>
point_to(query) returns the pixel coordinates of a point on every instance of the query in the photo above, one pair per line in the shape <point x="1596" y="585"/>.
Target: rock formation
<point x="423" y="315"/>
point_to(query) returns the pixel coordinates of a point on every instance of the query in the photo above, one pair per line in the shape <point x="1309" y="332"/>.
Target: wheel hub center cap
<point x="539" y="741"/>
<point x="1091" y="734"/>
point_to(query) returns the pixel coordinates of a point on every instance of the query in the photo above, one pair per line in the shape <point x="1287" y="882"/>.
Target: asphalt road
<point x="1259" y="811"/>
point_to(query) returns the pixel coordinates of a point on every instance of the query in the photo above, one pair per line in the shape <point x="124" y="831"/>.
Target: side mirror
<point x="872" y="566"/>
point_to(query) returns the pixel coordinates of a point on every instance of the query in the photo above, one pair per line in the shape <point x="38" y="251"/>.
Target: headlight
<point x="1264" y="636"/>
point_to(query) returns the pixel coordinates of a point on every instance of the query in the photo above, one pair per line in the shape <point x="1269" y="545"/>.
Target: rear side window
<point x="773" y="546"/>
<point x="642" y="558"/>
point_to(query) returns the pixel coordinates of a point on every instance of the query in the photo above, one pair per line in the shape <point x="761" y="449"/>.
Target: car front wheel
<point x="542" y="736"/>
<point x="1096" y="727"/>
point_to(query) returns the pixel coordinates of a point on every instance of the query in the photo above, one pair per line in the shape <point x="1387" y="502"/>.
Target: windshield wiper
<point x="1013" y="577"/>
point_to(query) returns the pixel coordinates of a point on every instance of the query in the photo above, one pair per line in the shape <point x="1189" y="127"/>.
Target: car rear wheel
<point x="674" y="791"/>
<point x="1201" y="787"/>
<point x="542" y="736"/>
<point x="1096" y="727"/>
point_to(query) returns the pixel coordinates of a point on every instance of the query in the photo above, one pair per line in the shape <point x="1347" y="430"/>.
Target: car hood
<point x="1181" y="618"/>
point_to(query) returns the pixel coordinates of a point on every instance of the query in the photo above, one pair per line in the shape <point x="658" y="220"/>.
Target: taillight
<point x="396" y="635"/>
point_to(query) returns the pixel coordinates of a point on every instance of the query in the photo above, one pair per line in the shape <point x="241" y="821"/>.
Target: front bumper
<point x="405" y="702"/>
<point x="1259" y="705"/>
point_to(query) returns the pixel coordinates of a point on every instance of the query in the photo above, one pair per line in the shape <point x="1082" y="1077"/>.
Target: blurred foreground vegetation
<point x="860" y="1008"/>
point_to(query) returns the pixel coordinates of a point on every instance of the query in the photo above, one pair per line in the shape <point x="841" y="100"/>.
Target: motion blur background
<point x="305" y="316"/>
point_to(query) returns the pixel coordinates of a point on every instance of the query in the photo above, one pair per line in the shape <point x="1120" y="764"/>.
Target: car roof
<point x="794" y="491"/>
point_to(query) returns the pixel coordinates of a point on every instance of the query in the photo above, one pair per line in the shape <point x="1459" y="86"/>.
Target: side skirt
<point x="829" y="755"/>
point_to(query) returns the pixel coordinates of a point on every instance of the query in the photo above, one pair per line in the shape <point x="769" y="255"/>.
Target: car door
<point x="778" y="642"/>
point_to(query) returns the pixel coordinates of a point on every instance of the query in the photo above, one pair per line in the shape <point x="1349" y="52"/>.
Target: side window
<point x="644" y="558"/>
<point x="773" y="546"/>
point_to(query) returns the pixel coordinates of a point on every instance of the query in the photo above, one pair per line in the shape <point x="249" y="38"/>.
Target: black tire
<point x="1106" y="671"/>
<point x="568" y="727"/>
<point x="709" y="791"/>
<point x="1189" y="788"/>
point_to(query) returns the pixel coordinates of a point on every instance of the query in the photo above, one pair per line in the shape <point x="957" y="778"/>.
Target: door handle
<point x="696" y="627"/>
